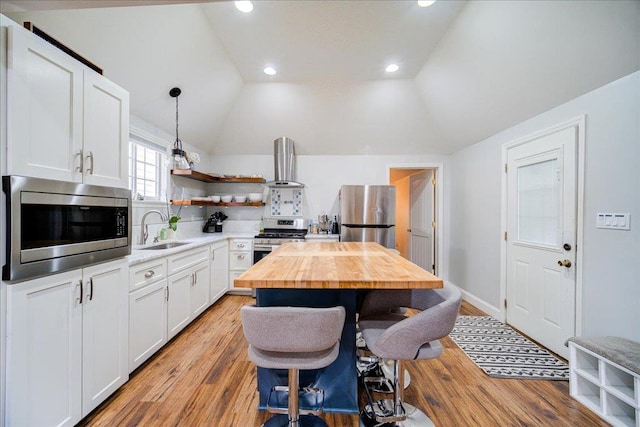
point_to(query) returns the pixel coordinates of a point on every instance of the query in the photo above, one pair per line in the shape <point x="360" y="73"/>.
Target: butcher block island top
<point x="336" y="265"/>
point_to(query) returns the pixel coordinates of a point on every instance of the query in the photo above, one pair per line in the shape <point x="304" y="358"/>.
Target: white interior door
<point x="421" y="220"/>
<point x="541" y="227"/>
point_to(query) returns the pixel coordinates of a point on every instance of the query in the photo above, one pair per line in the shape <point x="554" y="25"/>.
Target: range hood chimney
<point x="284" y="157"/>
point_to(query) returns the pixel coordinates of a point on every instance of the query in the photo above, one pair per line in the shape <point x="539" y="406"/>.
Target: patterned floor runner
<point x="502" y="352"/>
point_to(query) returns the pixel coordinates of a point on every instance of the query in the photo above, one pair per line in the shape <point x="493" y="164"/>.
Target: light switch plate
<point x="614" y="221"/>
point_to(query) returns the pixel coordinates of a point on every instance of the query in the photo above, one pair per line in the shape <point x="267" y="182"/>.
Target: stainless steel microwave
<point x="54" y="226"/>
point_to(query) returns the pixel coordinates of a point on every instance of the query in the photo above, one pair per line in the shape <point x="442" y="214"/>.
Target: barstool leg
<point x="398" y="387"/>
<point x="294" y="411"/>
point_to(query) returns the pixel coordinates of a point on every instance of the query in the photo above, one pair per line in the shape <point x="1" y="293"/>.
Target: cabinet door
<point x="44" y="123"/>
<point x="219" y="271"/>
<point x="106" y="132"/>
<point x="147" y="322"/>
<point x="199" y="298"/>
<point x="44" y="366"/>
<point x="105" y="332"/>
<point x="178" y="309"/>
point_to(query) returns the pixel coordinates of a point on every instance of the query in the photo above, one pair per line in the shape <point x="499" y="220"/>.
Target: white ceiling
<point x="330" y="40"/>
<point x="468" y="70"/>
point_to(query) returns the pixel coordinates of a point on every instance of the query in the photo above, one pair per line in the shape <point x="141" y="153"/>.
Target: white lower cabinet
<point x="188" y="288"/>
<point x="167" y="294"/>
<point x="240" y="259"/>
<point x="219" y="271"/>
<point x="148" y="322"/>
<point x="67" y="344"/>
<point x="147" y="310"/>
<point x="199" y="294"/>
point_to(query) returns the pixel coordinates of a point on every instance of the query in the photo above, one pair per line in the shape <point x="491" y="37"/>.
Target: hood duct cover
<point x="284" y="164"/>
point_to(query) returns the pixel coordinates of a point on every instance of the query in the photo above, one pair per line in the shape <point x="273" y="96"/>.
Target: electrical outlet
<point x="614" y="221"/>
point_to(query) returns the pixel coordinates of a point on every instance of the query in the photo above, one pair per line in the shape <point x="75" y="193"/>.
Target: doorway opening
<point x="418" y="196"/>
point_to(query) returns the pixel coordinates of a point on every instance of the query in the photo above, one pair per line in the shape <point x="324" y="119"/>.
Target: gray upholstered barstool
<point x="293" y="338"/>
<point x="391" y="335"/>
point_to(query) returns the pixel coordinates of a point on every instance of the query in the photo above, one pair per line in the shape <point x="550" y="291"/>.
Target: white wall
<point x="323" y="176"/>
<point x="192" y="217"/>
<point x="502" y="62"/>
<point x="368" y="118"/>
<point x="611" y="267"/>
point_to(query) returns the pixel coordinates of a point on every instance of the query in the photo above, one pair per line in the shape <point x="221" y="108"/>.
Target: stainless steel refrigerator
<point x="368" y="214"/>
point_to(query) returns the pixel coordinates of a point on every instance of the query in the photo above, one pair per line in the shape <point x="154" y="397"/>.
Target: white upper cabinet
<point x="64" y="121"/>
<point x="44" y="123"/>
<point x="106" y="132"/>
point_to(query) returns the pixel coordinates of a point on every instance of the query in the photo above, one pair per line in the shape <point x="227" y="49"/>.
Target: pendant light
<point x="177" y="154"/>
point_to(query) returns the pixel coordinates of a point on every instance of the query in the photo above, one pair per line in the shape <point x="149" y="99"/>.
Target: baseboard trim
<point x="479" y="303"/>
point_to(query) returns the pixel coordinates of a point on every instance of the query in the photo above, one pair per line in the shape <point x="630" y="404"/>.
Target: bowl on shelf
<point x="255" y="197"/>
<point x="215" y="199"/>
<point x="240" y="198"/>
<point x="226" y="199"/>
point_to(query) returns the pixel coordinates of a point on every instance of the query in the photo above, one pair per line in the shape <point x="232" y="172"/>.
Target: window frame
<point x="137" y="137"/>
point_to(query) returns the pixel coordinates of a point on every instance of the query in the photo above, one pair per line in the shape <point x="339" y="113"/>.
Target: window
<point x="146" y="169"/>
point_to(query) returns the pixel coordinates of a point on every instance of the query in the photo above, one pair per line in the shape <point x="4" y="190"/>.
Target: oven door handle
<point x="264" y="248"/>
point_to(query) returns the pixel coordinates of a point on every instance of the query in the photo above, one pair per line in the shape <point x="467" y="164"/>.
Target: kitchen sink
<point x="167" y="245"/>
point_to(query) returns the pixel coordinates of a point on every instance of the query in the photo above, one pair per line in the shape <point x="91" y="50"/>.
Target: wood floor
<point x="204" y="378"/>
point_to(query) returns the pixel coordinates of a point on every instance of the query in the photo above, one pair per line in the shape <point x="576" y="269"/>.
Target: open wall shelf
<point x="203" y="177"/>
<point x="204" y="203"/>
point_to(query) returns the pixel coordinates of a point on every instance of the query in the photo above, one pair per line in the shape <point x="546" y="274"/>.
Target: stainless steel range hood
<point x="284" y="157"/>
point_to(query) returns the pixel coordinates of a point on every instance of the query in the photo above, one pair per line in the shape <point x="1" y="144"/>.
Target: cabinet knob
<point x="241" y="256"/>
<point x="149" y="273"/>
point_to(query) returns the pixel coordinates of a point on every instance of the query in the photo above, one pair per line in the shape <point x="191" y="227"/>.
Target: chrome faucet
<point x="144" y="230"/>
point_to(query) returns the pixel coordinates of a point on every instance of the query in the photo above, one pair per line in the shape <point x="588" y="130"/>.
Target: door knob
<point x="564" y="263"/>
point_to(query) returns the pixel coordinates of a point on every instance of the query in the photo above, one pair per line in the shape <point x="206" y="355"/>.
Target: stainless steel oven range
<point x="54" y="226"/>
<point x="276" y="232"/>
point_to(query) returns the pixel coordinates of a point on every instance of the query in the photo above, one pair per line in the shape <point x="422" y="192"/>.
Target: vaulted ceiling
<point x="467" y="69"/>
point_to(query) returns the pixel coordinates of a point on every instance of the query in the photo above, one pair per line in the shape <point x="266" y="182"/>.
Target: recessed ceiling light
<point x="244" y="6"/>
<point x="270" y="71"/>
<point x="392" y="68"/>
<point x="422" y="3"/>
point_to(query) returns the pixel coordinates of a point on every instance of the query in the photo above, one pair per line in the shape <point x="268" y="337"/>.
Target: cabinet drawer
<point x="184" y="260"/>
<point x="144" y="274"/>
<point x="240" y="245"/>
<point x="239" y="260"/>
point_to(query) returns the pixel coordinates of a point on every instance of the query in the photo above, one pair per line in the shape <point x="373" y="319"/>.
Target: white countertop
<point x="139" y="255"/>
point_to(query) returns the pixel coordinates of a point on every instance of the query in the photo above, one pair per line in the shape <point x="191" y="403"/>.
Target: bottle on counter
<point x="261" y="225"/>
<point x="335" y="227"/>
